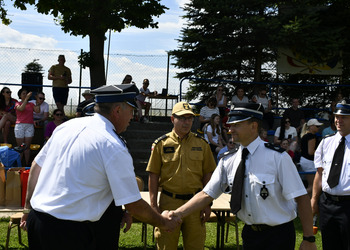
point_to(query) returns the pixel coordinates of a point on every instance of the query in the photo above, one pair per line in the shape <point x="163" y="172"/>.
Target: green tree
<point x="238" y="40"/>
<point x="93" y="19"/>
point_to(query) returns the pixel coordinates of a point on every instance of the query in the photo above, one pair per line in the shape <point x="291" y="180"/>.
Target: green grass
<point x="132" y="239"/>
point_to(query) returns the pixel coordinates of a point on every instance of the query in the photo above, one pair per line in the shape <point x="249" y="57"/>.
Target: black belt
<point x="179" y="196"/>
<point x="260" y="227"/>
<point x="338" y="197"/>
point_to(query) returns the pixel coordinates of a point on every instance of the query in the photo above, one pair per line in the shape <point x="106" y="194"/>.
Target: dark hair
<point x="239" y="87"/>
<point x="2" y="98"/>
<point x="212" y="100"/>
<point x="20" y="92"/>
<point x="213" y="125"/>
<point x="283" y="128"/>
<point x="56" y="110"/>
<point x="40" y="93"/>
<point x="258" y="121"/>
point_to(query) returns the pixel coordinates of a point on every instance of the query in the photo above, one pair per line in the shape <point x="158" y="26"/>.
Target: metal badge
<point x="264" y="193"/>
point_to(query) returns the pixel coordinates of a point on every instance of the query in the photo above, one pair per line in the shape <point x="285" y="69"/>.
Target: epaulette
<point x="199" y="136"/>
<point x="326" y="136"/>
<point x="230" y="152"/>
<point x="160" y="138"/>
<point x="273" y="147"/>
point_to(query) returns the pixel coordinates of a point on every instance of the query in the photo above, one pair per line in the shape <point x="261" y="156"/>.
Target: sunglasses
<point x="230" y="142"/>
<point x="220" y="89"/>
<point x="288" y="121"/>
<point x="59" y="114"/>
<point x="8" y="92"/>
<point x="41" y="98"/>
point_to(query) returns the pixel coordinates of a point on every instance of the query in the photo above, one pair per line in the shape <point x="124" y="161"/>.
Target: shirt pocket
<point x="169" y="158"/>
<point x="194" y="165"/>
<point x="258" y="181"/>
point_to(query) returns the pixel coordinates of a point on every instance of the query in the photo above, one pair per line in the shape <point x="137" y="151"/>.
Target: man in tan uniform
<point x="181" y="164"/>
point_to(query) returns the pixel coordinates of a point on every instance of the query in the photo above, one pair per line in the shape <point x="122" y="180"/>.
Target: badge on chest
<point x="264" y="192"/>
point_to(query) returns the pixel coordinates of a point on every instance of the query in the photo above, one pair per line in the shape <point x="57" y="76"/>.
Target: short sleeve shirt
<point x="264" y="167"/>
<point x="84" y="167"/>
<point x="44" y="108"/>
<point x="59" y="70"/>
<point x="141" y="97"/>
<point x="25" y="116"/>
<point x="291" y="131"/>
<point x="207" y="112"/>
<point x="181" y="163"/>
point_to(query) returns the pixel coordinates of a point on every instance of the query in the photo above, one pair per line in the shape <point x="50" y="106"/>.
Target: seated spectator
<point x="263" y="134"/>
<point x="24" y="129"/>
<point x="285" y="145"/>
<point x="296" y="115"/>
<point x="7" y="112"/>
<point x="308" y="147"/>
<point x="51" y="126"/>
<point x="89" y="98"/>
<point x="207" y="111"/>
<point x="40" y="119"/>
<point x="221" y="100"/>
<point x="212" y="133"/>
<point x="231" y="145"/>
<point x="338" y="97"/>
<point x="128" y="80"/>
<point x="285" y="131"/>
<point x="141" y="103"/>
<point x="262" y="98"/>
<point x="239" y="96"/>
<point x="331" y="129"/>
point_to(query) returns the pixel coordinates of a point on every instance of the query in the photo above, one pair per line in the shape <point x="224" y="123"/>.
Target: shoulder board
<point x="199" y="136"/>
<point x="329" y="135"/>
<point x="160" y="138"/>
<point x="230" y="152"/>
<point x="273" y="147"/>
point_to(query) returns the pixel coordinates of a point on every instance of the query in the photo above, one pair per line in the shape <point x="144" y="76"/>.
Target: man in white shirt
<point x="269" y="187"/>
<point x="81" y="178"/>
<point x="40" y="119"/>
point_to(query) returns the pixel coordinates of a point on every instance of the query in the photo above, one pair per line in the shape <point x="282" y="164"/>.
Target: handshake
<point x="171" y="220"/>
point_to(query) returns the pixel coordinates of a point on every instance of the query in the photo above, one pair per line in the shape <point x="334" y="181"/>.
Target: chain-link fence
<point x="153" y="67"/>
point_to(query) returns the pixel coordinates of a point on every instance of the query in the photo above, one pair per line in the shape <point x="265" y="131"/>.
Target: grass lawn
<point x="132" y="239"/>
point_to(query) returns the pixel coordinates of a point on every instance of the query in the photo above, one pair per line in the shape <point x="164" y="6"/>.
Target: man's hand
<point x="23" y="223"/>
<point x="172" y="221"/>
<point x="205" y="214"/>
<point x="126" y="221"/>
<point x="305" y="245"/>
<point x="314" y="206"/>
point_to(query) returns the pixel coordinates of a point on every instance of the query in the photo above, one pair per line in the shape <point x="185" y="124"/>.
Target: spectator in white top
<point x="240" y="96"/>
<point x="40" y="119"/>
<point x="265" y="100"/>
<point x="213" y="134"/>
<point x="221" y="100"/>
<point x="141" y="103"/>
<point x="207" y="111"/>
<point x="285" y="131"/>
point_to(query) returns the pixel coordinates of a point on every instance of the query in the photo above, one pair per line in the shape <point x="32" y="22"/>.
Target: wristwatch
<point x="309" y="238"/>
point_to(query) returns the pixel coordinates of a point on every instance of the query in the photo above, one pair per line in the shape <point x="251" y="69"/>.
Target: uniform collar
<point x="254" y="145"/>
<point x="177" y="138"/>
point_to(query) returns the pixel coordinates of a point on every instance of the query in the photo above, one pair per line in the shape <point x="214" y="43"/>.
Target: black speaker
<point x="29" y="79"/>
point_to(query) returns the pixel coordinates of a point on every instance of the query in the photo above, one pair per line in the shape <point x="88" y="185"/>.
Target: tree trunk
<point x="97" y="70"/>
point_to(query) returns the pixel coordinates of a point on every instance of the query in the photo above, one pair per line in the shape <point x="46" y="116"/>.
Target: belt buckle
<point x="335" y="198"/>
<point x="256" y="228"/>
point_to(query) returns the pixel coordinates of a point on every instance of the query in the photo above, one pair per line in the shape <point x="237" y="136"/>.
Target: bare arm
<point x="198" y="202"/>
<point x="305" y="215"/>
<point x="311" y="146"/>
<point x="24" y="103"/>
<point x="316" y="191"/>
<point x="153" y="184"/>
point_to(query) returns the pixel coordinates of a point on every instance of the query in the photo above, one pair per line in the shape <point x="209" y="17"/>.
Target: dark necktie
<point x="237" y="187"/>
<point x="337" y="162"/>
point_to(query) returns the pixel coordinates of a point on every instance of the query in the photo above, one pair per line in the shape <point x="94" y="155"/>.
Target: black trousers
<point x="274" y="238"/>
<point x="46" y="232"/>
<point x="334" y="223"/>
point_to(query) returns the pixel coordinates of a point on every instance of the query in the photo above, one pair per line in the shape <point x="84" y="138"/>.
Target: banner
<point x="290" y="62"/>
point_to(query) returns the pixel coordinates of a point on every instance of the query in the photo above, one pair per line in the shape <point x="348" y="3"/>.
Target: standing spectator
<point x="308" y="147"/>
<point x="7" y="111"/>
<point x="262" y="98"/>
<point x="221" y="100"/>
<point x="61" y="76"/>
<point x="296" y="116"/>
<point x="266" y="182"/>
<point x="212" y="134"/>
<point x="81" y="178"/>
<point x="181" y="164"/>
<point x="285" y="131"/>
<point x="40" y="119"/>
<point x="141" y="103"/>
<point x="331" y="129"/>
<point x="239" y="97"/>
<point x="89" y="98"/>
<point x="24" y="129"/>
<point x="331" y="189"/>
<point x="207" y="111"/>
<point x="51" y="126"/>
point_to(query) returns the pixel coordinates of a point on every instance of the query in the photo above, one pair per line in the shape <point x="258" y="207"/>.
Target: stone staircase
<point x="139" y="137"/>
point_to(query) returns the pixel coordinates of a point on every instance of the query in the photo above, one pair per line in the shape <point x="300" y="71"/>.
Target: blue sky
<point x="32" y="30"/>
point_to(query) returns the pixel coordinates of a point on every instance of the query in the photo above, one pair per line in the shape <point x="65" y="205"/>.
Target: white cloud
<point x="13" y="38"/>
